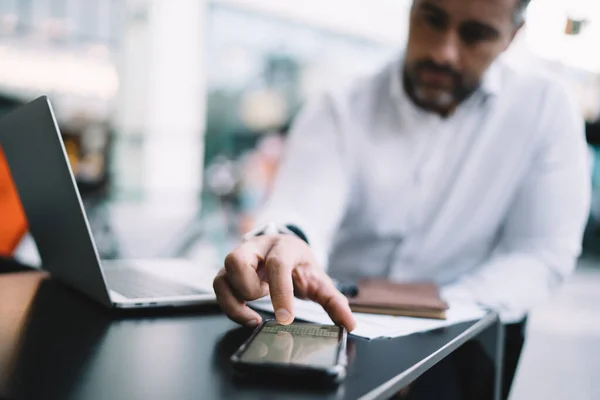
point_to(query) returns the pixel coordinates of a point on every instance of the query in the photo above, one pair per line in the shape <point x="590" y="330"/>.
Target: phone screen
<point x="300" y="344"/>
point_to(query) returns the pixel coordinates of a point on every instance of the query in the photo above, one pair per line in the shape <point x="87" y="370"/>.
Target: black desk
<point x="55" y="344"/>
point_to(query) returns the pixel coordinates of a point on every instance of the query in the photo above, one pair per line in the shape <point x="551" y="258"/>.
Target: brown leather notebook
<point x="378" y="296"/>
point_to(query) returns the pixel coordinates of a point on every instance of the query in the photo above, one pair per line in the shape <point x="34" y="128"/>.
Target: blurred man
<point x="448" y="166"/>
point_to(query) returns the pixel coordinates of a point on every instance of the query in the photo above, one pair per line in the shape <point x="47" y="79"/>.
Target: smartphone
<point x="300" y="351"/>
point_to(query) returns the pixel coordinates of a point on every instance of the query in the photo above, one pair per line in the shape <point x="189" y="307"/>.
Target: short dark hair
<point x="520" y="10"/>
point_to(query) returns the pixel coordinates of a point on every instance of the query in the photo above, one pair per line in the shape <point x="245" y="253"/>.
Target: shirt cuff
<point x="272" y="228"/>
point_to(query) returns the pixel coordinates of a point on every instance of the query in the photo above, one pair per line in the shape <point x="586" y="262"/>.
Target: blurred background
<point x="175" y="113"/>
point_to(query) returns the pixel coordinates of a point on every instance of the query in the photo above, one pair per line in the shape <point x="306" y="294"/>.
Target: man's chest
<point x="409" y="176"/>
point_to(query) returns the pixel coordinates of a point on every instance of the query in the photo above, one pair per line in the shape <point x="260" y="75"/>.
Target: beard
<point x="441" y="96"/>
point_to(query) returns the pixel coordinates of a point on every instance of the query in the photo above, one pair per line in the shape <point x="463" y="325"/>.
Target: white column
<point x="173" y="150"/>
<point x="160" y="112"/>
<point x="131" y="110"/>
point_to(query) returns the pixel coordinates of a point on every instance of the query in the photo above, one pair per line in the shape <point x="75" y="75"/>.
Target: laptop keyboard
<point x="135" y="284"/>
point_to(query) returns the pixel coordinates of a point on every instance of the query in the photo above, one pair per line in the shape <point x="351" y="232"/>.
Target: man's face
<point x="451" y="43"/>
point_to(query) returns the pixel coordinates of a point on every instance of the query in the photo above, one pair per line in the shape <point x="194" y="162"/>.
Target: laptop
<point x="40" y="169"/>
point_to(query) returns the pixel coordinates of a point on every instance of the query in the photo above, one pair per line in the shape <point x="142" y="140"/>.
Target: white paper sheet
<point x="372" y="326"/>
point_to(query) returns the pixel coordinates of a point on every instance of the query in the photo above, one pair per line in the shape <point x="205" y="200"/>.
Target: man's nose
<point x="447" y="50"/>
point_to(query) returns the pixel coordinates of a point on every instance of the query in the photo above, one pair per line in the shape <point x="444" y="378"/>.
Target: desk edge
<point x="393" y="385"/>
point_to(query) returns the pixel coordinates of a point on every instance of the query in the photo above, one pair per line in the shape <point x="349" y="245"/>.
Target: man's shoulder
<point x="540" y="99"/>
<point x="533" y="80"/>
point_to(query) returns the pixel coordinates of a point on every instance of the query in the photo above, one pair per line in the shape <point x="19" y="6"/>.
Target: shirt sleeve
<point x="312" y="184"/>
<point x="542" y="234"/>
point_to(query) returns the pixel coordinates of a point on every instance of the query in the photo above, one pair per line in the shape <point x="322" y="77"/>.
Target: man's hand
<point x="282" y="266"/>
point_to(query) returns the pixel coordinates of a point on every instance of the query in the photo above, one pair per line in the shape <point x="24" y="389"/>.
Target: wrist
<point x="272" y="228"/>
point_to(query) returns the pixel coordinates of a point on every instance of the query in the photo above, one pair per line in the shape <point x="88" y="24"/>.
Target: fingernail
<point x="282" y="315"/>
<point x="252" y="324"/>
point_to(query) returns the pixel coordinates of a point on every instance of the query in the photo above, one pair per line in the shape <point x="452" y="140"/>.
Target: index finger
<point x="281" y="287"/>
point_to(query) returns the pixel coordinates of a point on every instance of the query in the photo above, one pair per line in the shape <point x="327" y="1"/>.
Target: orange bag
<point x="13" y="223"/>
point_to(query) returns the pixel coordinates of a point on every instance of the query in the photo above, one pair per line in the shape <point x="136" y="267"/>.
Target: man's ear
<point x="514" y="33"/>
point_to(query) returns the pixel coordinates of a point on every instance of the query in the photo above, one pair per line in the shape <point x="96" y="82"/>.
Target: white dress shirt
<point x="490" y="203"/>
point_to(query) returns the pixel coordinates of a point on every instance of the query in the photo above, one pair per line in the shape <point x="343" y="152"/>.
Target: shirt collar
<point x="407" y="107"/>
<point x="492" y="80"/>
